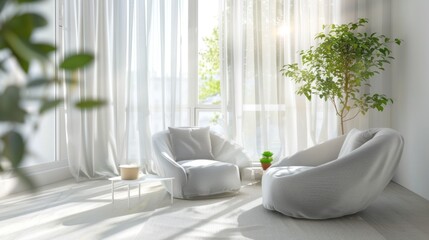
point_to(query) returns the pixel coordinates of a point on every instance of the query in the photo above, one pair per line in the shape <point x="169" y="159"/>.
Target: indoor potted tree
<point x="341" y="64"/>
<point x="267" y="158"/>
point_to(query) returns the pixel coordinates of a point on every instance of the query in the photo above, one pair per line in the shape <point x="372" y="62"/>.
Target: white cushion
<point x="355" y="138"/>
<point x="191" y="143"/>
<point x="208" y="177"/>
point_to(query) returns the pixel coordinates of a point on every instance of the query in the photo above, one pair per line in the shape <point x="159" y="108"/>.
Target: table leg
<point x="172" y="190"/>
<point x="128" y="196"/>
<point x="113" y="192"/>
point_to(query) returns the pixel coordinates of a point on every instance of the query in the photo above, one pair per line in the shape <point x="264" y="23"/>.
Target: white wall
<point x="410" y="88"/>
<point x="406" y="81"/>
<point x="379" y="14"/>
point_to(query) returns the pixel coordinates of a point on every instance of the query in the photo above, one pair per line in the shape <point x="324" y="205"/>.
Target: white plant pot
<point x="129" y="172"/>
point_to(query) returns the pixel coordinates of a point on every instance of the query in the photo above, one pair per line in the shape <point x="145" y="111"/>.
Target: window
<point x="207" y="110"/>
<point x="45" y="141"/>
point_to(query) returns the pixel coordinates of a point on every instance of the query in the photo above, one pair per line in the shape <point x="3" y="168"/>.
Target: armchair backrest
<point x="223" y="150"/>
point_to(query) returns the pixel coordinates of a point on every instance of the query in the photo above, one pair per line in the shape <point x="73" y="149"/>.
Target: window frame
<point x="195" y="106"/>
<point x="58" y="161"/>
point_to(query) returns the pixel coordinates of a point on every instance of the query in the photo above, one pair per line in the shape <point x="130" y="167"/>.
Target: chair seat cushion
<point x="208" y="177"/>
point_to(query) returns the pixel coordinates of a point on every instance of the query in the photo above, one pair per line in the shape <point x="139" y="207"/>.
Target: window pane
<point x="41" y="142"/>
<point x="208" y="53"/>
<point x="210" y="118"/>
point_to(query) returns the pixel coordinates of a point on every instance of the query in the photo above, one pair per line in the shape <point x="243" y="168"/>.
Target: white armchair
<point x="201" y="177"/>
<point x="317" y="183"/>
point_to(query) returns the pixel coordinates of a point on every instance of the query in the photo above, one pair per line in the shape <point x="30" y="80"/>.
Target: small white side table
<point x="139" y="181"/>
<point x="252" y="174"/>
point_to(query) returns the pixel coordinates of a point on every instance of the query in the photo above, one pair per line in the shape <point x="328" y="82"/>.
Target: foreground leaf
<point x="49" y="104"/>
<point x="25" y="178"/>
<point x="2" y="4"/>
<point x="44" y="48"/>
<point x="24" y="24"/>
<point x="13" y="147"/>
<point x="76" y="61"/>
<point x="10" y="109"/>
<point x="22" y="49"/>
<point x="90" y="103"/>
<point x="39" y="82"/>
<point x="28" y="1"/>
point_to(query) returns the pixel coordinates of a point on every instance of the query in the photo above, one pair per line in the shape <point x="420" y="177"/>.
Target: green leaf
<point x="398" y="41"/>
<point x="21" y="48"/>
<point x="76" y="61"/>
<point x="267" y="154"/>
<point x="39" y="82"/>
<point x="24" y="24"/>
<point x="29" y="1"/>
<point x="44" y="48"/>
<point x="13" y="147"/>
<point x="90" y="103"/>
<point x="24" y="64"/>
<point x="2" y="4"/>
<point x="49" y="104"/>
<point x="10" y="110"/>
<point x="25" y="178"/>
<point x="2" y="62"/>
<point x="18" y="53"/>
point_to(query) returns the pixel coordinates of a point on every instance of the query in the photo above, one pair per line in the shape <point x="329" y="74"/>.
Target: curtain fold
<point x="138" y="69"/>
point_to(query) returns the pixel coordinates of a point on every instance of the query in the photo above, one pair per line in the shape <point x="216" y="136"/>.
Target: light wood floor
<point x="69" y="210"/>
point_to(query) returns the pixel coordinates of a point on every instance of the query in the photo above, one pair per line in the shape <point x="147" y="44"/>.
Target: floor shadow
<point x="259" y="223"/>
<point x="188" y="216"/>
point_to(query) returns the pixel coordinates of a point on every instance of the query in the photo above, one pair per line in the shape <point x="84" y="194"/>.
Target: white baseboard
<point x="12" y="185"/>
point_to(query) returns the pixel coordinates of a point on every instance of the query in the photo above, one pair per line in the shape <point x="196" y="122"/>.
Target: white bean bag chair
<point x="339" y="177"/>
<point x="200" y="177"/>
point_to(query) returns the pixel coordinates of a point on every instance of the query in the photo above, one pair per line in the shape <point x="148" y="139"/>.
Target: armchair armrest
<point x="315" y="156"/>
<point x="227" y="151"/>
<point x="170" y="168"/>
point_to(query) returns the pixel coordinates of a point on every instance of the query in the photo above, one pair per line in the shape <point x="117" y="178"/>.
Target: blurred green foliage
<point x="17" y="28"/>
<point x="209" y="68"/>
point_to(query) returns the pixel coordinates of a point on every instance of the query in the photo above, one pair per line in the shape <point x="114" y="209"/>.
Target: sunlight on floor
<point x="69" y="210"/>
<point x="78" y="210"/>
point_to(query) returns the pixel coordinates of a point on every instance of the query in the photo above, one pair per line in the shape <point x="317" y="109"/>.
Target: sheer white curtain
<point x="139" y="52"/>
<point x="261" y="107"/>
<point x="141" y="69"/>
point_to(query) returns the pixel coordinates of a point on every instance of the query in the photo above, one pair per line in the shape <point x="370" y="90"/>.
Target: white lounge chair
<point x="201" y="177"/>
<point x="339" y="177"/>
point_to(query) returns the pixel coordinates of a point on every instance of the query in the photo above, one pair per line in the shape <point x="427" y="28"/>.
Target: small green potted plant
<point x="267" y="158"/>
